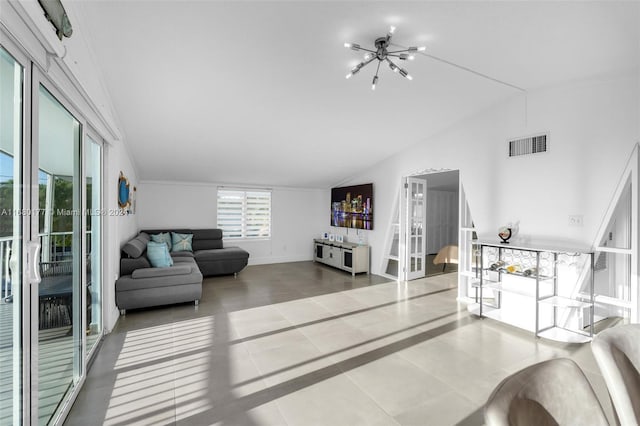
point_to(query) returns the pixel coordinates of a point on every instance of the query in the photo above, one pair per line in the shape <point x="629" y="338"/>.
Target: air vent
<point x="526" y="146"/>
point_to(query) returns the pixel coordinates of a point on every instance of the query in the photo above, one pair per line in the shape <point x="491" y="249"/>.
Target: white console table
<point x="349" y="257"/>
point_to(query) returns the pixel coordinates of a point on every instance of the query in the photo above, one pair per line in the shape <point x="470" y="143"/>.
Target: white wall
<point x="593" y="128"/>
<point x="297" y="217"/>
<point x="117" y="229"/>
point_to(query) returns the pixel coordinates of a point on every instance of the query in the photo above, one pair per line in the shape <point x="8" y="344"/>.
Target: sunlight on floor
<point x="260" y="348"/>
<point x="386" y="353"/>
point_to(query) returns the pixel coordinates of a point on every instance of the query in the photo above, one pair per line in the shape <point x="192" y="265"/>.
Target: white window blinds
<point x="244" y="213"/>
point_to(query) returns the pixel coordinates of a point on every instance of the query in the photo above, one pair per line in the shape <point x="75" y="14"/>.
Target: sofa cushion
<point x="228" y="253"/>
<point x="163" y="237"/>
<point x="178" y="254"/>
<point x="181" y="242"/>
<point x="207" y="234"/>
<point x="184" y="259"/>
<point x="204" y="239"/>
<point x="162" y="272"/>
<point x="135" y="247"/>
<point x="127" y="266"/>
<point x="158" y="255"/>
<point x="128" y="283"/>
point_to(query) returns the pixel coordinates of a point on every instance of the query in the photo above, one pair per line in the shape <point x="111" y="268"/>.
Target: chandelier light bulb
<point x="375" y="81"/>
<point x="392" y="29"/>
<point x="367" y="56"/>
<point x="422" y="48"/>
<point x="411" y="57"/>
<point x="347" y="45"/>
<point x="349" y="75"/>
<point x="405" y="74"/>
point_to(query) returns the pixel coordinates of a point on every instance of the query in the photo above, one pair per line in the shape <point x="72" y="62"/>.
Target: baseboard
<point x="108" y="328"/>
<point x="281" y="259"/>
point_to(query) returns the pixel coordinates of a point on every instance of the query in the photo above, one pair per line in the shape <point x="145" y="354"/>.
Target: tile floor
<point x="304" y="344"/>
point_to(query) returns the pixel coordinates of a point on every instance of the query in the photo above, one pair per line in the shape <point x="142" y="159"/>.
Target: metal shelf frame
<point x="553" y="300"/>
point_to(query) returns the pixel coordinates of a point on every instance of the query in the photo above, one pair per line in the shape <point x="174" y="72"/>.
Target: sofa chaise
<point x="140" y="285"/>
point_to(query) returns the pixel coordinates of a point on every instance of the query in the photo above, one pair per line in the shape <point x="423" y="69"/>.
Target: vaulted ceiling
<point x="255" y="92"/>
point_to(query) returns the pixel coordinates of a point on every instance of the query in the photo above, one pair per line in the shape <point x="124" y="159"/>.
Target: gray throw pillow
<point x="135" y="247"/>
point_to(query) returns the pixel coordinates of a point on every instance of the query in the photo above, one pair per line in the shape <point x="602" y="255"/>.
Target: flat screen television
<point x="352" y="206"/>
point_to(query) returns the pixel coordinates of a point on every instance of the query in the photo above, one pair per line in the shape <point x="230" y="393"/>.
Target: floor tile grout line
<point x="335" y="316"/>
<point x="365" y="393"/>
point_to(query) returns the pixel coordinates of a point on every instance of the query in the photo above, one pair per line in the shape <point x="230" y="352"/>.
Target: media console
<point x="349" y="257"/>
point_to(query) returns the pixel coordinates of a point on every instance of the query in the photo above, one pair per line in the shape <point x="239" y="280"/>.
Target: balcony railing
<point x="55" y="258"/>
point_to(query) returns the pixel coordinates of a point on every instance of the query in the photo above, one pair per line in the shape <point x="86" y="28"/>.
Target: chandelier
<point x="382" y="54"/>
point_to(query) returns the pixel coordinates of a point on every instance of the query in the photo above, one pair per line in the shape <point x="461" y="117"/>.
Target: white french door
<point x="413" y="220"/>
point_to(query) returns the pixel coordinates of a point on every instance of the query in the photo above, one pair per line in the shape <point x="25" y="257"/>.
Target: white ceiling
<point x="255" y="92"/>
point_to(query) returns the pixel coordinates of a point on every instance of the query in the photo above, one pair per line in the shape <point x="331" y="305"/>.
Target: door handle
<point x="13" y="259"/>
<point x="33" y="257"/>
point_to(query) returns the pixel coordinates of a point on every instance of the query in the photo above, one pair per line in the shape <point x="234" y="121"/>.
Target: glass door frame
<point x="38" y="78"/>
<point x="91" y="136"/>
<point x="22" y="413"/>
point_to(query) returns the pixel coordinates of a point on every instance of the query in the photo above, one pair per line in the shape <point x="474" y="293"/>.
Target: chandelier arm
<point x="368" y="61"/>
<point x="391" y="62"/>
<point x="399" y="51"/>
<point x="378" y="69"/>
<point x="367" y="50"/>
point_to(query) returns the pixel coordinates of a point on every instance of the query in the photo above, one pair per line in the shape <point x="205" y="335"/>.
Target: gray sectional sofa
<point x="140" y="285"/>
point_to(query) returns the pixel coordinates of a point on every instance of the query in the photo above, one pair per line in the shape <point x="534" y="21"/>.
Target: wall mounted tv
<point x="352" y="206"/>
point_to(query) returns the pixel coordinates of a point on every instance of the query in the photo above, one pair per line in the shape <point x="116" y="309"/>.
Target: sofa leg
<point x="235" y="275"/>
<point x="123" y="312"/>
<point x="196" y="302"/>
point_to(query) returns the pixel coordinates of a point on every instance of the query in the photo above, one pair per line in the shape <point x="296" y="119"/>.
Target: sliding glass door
<point x="56" y="150"/>
<point x="50" y="244"/>
<point x="11" y="241"/>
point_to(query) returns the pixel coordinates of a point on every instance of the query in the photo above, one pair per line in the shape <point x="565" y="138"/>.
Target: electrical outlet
<point x="575" y="220"/>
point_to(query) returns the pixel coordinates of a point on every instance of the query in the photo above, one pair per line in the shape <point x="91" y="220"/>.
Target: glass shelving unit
<point x="542" y="288"/>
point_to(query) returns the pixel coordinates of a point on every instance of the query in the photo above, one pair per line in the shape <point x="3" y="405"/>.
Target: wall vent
<point x="529" y="145"/>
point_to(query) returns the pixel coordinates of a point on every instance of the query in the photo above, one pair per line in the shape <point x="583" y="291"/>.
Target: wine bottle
<point x="530" y="272"/>
<point x="513" y="268"/>
<point x="497" y="265"/>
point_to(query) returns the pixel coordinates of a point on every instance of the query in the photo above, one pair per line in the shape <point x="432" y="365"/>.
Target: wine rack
<point x="542" y="288"/>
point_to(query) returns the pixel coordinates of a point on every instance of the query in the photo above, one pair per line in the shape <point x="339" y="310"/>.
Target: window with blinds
<point x="244" y="213"/>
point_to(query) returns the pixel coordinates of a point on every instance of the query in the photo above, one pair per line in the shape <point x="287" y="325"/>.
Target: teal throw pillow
<point x="158" y="255"/>
<point x="163" y="237"/>
<point x="181" y="242"/>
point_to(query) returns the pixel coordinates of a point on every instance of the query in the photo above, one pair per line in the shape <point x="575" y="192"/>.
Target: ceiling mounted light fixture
<point x="382" y="54"/>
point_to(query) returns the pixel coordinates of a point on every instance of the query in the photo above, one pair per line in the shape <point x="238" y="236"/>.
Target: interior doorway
<point x="429" y="223"/>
